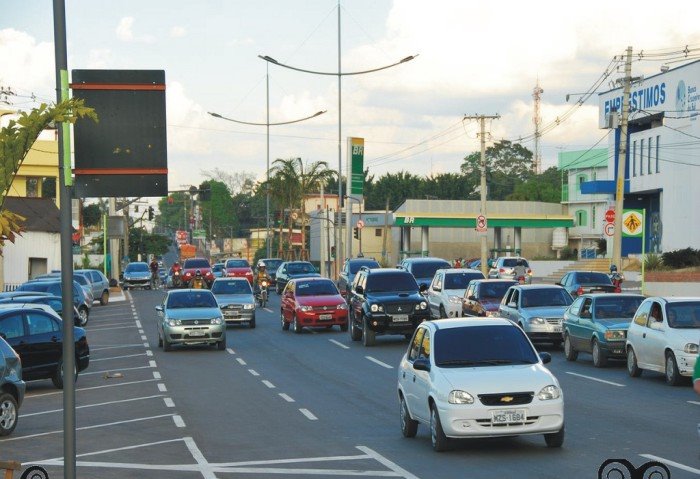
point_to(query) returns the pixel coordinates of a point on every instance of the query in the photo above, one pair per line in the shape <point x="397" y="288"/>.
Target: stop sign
<point x="610" y="216"/>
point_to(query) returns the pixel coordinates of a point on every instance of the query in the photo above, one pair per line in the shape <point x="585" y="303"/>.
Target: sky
<point x="473" y="58"/>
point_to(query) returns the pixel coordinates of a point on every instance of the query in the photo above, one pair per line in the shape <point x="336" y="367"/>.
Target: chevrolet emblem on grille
<point x="196" y="322"/>
<point x="507" y="399"/>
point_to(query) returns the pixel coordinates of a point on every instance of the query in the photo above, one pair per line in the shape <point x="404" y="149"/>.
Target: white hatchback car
<point x="447" y="290"/>
<point x="472" y="378"/>
<point x="663" y="337"/>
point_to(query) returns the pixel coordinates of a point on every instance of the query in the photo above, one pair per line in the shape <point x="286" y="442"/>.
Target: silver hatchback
<point x="190" y="316"/>
<point x="236" y="300"/>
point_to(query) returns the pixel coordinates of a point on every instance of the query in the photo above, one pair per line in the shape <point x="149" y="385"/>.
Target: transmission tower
<point x="537" y="120"/>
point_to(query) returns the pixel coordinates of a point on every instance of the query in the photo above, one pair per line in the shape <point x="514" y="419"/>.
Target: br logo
<point x="35" y="472"/>
<point x="623" y="469"/>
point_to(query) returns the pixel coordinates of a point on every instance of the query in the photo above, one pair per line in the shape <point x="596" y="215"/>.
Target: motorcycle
<point x="198" y="281"/>
<point x="262" y="293"/>
<point x="617" y="279"/>
<point x="177" y="279"/>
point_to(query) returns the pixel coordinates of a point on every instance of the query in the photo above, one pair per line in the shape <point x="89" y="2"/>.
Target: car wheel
<point x="443" y="314"/>
<point x="104" y="299"/>
<point x="368" y="336"/>
<point x="673" y="378"/>
<point x="632" y="367"/>
<point x="555" y="439"/>
<point x="569" y="352"/>
<point x="599" y="358"/>
<point x="221" y="345"/>
<point x="285" y="324"/>
<point x="83" y="316"/>
<point x="8" y="413"/>
<point x="296" y="325"/>
<point x="437" y="435"/>
<point x="409" y="427"/>
<point x="57" y="378"/>
<point x="355" y="332"/>
<point x="167" y="346"/>
<point x="251" y="323"/>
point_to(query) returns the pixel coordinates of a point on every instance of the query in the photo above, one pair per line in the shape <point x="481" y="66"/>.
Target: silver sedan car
<point x="236" y="300"/>
<point x="190" y="316"/>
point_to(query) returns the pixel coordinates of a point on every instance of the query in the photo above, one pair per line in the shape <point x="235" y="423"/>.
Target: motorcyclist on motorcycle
<point x="261" y="276"/>
<point x="519" y="271"/>
<point x="153" y="266"/>
<point x="176" y="274"/>
<point x="616" y="278"/>
<point x="197" y="281"/>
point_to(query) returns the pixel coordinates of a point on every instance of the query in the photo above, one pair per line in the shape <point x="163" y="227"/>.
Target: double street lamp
<point x="268" y="244"/>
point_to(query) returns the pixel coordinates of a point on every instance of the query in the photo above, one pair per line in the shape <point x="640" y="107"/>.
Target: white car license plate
<point x="196" y="333"/>
<point x="556" y="329"/>
<point x="325" y="316"/>
<point x="398" y="318"/>
<point x="508" y="416"/>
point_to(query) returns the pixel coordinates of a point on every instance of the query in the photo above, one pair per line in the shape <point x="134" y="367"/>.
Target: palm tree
<point x="297" y="180"/>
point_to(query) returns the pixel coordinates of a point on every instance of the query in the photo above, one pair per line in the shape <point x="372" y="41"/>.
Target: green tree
<point x="218" y="209"/>
<point x="504" y="156"/>
<point x="92" y="214"/>
<point x="544" y="187"/>
<point x="141" y="241"/>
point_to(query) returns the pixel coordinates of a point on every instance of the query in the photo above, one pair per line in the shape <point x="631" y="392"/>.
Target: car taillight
<point x="249" y="273"/>
<point x="501" y="270"/>
<point x="618" y="289"/>
<point x="579" y="291"/>
<point x="529" y="271"/>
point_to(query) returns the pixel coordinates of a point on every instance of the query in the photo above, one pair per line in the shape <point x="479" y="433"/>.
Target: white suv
<point x="477" y="378"/>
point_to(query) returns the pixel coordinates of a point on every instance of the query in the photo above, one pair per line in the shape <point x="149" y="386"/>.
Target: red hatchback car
<point x="239" y="268"/>
<point x="190" y="267"/>
<point x="313" y="302"/>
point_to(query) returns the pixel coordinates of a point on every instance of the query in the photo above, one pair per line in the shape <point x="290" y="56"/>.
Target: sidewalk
<point x="116" y="295"/>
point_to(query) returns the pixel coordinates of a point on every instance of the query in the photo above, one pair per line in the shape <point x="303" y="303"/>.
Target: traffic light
<point x="150" y="213"/>
<point x="356" y="233"/>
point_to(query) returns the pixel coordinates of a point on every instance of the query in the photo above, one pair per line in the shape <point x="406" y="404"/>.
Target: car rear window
<point x="461" y="280"/>
<point x="617" y="307"/>
<point x="196" y="263"/>
<point x="683" y="315"/>
<point x="427" y="269"/>
<point x="593" y="278"/>
<point x="315" y="288"/>
<point x="513" y="262"/>
<point x="491" y="345"/>
<point x="231" y="287"/>
<point x="495" y="289"/>
<point x="540" y="297"/>
<point x="383" y="283"/>
<point x="356" y="265"/>
<point x="271" y="264"/>
<point x="237" y="263"/>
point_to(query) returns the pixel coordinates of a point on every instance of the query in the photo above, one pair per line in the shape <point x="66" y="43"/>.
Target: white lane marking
<point x="106" y="451"/>
<point x="178" y="420"/>
<point x="241" y="362"/>
<point x="138" y="324"/>
<point x="253" y="372"/>
<point x="286" y="397"/>
<point x="118" y="357"/>
<point x="162" y="388"/>
<point x="145" y="345"/>
<point x="290" y="461"/>
<point x="141" y="332"/>
<point x="149" y="353"/>
<point x="152" y="364"/>
<point x="156" y="375"/>
<point x="92" y="330"/>
<point x="672" y="463"/>
<point x="338" y="343"/>
<point x="400" y="471"/>
<point x="230" y="351"/>
<point x="101" y="348"/>
<point x="377" y="361"/>
<point x="268" y="384"/>
<point x="91" y="388"/>
<point x="267" y="309"/>
<point x="112" y="322"/>
<point x="96" y="426"/>
<point x="93" y="405"/>
<point x="596" y="379"/>
<point x="106" y="371"/>
<point x="98" y="315"/>
<point x="309" y="415"/>
<point x="168" y="402"/>
<point x="206" y="470"/>
<point x="694" y="402"/>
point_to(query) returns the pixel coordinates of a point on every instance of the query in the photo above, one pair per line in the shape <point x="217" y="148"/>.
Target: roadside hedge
<point x="681" y="258"/>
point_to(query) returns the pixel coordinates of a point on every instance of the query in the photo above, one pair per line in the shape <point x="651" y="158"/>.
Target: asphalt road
<point x="278" y="404"/>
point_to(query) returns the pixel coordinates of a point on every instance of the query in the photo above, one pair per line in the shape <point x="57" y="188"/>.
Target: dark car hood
<point x="397" y="296"/>
<point x="303" y="275"/>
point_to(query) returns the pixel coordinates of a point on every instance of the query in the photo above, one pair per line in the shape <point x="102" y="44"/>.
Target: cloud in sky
<point x="125" y="32"/>
<point x="178" y="32"/>
<point x="27" y="65"/>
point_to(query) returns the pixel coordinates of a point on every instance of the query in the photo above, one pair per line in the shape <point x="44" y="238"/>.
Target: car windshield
<point x="81" y="279"/>
<point x="300" y="268"/>
<point x="231" y="287"/>
<point x="35" y="286"/>
<point x="513" y="262"/>
<point x="383" y="283"/>
<point x="272" y="264"/>
<point x="356" y="265"/>
<point x="618" y="307"/>
<point x="237" y="263"/>
<point x="537" y="298"/>
<point x="192" y="299"/>
<point x="494" y="290"/>
<point x="460" y="280"/>
<point x="315" y="288"/>
<point x="492" y="345"/>
<point x="196" y="263"/>
<point x="136" y="267"/>
<point x="427" y="269"/>
<point x="683" y="315"/>
<point x="592" y="278"/>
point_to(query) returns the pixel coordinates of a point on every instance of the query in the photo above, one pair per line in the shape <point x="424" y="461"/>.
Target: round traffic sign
<point x="481" y="223"/>
<point x="610" y="216"/>
<point x="609" y="229"/>
<point x="360" y="224"/>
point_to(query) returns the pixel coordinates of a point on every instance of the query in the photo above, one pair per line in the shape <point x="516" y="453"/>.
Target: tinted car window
<point x="683" y="315"/>
<point x="427" y="269"/>
<point x="136" y="267"/>
<point x="380" y="283"/>
<point x="40" y="324"/>
<point x="482" y="346"/>
<point x="315" y="288"/>
<point x="460" y="280"/>
<point x="512" y="262"/>
<point x="231" y="287"/>
<point x="81" y="279"/>
<point x="593" y="278"/>
<point x="536" y="298"/>
<point x="196" y="263"/>
<point x="616" y="307"/>
<point x="237" y="263"/>
<point x="356" y="265"/>
<point x="192" y="300"/>
<point x="12" y="326"/>
<point x="493" y="290"/>
<point x="299" y="268"/>
<point x="272" y="264"/>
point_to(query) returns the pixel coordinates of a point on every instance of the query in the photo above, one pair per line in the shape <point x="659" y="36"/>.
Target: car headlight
<point x="549" y="392"/>
<point x="249" y="306"/>
<point x="616" y="335"/>
<point x="421" y="305"/>
<point x="690" y="348"/>
<point x="455" y="299"/>
<point x="342" y="306"/>
<point x="376" y="308"/>
<point x="174" y="322"/>
<point x="460" y="397"/>
<point x="306" y="308"/>
<point x="216" y="321"/>
<point x="537" y="320"/>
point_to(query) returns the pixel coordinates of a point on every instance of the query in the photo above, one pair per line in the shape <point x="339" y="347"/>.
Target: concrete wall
<point x="31" y="244"/>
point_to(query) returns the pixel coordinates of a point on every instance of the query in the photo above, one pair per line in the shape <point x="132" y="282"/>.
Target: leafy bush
<point x="682" y="258"/>
<point x="568" y="254"/>
<point x="653" y="262"/>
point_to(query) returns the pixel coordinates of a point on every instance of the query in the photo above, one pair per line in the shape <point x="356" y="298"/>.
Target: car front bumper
<point x="319" y="319"/>
<point x="685" y="362"/>
<point x="136" y="282"/>
<point x="195" y="334"/>
<point x="475" y="420"/>
<point x="543" y="332"/>
<point x="613" y="349"/>
<point x="238" y="315"/>
<point x="382" y="323"/>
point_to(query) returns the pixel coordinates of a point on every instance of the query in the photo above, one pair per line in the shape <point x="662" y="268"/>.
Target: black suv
<point x="385" y="301"/>
<point x="350" y="269"/>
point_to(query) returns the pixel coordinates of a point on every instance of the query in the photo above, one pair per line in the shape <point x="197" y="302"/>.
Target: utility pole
<point x="385" y="256"/>
<point x="482" y="119"/>
<point x="537" y="120"/>
<point x="621" y="160"/>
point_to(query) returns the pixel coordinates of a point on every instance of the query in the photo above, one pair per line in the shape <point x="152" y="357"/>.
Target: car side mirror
<point x="421" y="364"/>
<point x="159" y="308"/>
<point x="423" y="287"/>
<point x="359" y="290"/>
<point x="545" y="357"/>
<point x="471" y="298"/>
